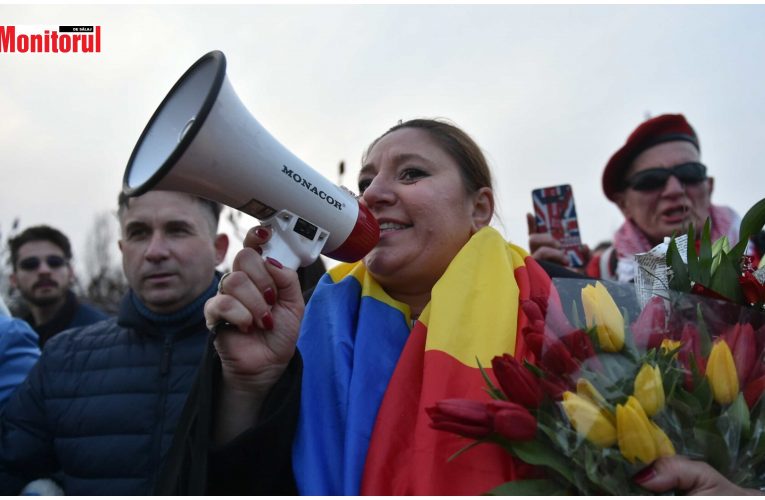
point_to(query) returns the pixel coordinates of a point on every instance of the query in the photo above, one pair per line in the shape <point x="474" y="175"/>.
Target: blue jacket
<point x="18" y="354"/>
<point x="100" y="407"/>
<point x="86" y="314"/>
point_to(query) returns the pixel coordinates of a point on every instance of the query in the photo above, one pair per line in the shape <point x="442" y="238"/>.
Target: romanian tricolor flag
<point x="368" y="376"/>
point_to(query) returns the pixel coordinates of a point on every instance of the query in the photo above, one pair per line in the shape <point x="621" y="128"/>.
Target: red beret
<point x="659" y="129"/>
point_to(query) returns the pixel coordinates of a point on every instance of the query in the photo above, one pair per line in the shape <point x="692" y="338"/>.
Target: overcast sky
<point x="549" y="92"/>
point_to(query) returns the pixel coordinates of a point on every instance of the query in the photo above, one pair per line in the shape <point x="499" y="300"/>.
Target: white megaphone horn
<point x="202" y="140"/>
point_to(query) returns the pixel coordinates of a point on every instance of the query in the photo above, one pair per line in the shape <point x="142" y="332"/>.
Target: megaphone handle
<point x="294" y="241"/>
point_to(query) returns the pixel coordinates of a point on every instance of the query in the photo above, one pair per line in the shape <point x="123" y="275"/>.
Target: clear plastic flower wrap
<point x="612" y="386"/>
<point x="619" y="375"/>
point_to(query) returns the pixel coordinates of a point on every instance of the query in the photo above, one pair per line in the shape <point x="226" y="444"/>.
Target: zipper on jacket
<point x="166" y="355"/>
<point x="164" y="370"/>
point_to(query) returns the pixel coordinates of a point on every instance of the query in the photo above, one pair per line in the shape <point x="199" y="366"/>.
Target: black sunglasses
<point x="655" y="178"/>
<point x="32" y="263"/>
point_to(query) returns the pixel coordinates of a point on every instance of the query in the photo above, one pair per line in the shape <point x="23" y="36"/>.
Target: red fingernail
<point x="274" y="262"/>
<point x="261" y="233"/>
<point x="644" y="475"/>
<point x="270" y="296"/>
<point x="268" y="321"/>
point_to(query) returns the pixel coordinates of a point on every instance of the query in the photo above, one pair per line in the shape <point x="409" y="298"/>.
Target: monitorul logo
<point x="50" y="39"/>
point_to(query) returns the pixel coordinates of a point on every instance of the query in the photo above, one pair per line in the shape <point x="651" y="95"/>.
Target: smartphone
<point x="555" y="214"/>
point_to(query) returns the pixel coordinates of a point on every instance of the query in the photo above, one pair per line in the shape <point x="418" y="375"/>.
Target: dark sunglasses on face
<point x="655" y="178"/>
<point x="32" y="263"/>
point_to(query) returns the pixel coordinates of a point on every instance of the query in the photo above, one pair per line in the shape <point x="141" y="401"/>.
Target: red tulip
<point x="691" y="346"/>
<point x="461" y="416"/>
<point x="753" y="391"/>
<point x="512" y="421"/>
<point x="758" y="369"/>
<point x="474" y="419"/>
<point x="554" y="345"/>
<point x="548" y="350"/>
<point x="649" y="329"/>
<point x="579" y="345"/>
<point x="534" y="341"/>
<point x="740" y="339"/>
<point x="533" y="332"/>
<point x="518" y="383"/>
<point x="554" y="386"/>
<point x="532" y="310"/>
<point x="556" y="358"/>
<point x="549" y="312"/>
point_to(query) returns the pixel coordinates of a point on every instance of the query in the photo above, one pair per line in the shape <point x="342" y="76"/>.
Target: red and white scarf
<point x="630" y="240"/>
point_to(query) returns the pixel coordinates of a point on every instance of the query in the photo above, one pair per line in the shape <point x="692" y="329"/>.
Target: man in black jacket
<point x="99" y="409"/>
<point x="42" y="272"/>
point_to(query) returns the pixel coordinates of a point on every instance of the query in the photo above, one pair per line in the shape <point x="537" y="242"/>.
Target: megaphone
<point x="201" y="140"/>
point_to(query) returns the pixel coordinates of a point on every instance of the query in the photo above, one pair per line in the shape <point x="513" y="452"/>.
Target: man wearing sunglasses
<point x="660" y="185"/>
<point x="42" y="272"/>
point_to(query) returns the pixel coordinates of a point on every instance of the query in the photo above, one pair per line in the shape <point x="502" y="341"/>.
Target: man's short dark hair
<point x="214" y="208"/>
<point x="38" y="233"/>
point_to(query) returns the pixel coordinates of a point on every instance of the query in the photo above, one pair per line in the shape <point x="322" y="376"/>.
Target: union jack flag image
<point x="555" y="214"/>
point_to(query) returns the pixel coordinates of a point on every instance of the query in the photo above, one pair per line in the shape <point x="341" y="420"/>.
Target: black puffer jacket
<point x="100" y="407"/>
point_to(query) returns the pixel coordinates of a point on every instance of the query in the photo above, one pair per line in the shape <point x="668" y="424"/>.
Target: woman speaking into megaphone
<point x="381" y="338"/>
<point x="330" y="398"/>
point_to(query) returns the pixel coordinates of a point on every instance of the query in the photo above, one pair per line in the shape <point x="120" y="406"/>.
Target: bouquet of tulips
<point x="611" y="382"/>
<point x="594" y="403"/>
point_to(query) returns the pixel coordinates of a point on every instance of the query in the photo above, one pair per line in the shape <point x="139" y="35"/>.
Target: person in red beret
<point x="660" y="185"/>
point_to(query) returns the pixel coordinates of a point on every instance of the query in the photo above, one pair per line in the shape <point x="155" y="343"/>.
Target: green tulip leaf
<point x="680" y="280"/>
<point x="707" y="445"/>
<point x="491" y="389"/>
<point x="720" y="246"/>
<point x="757" y="440"/>
<point x="534" y="369"/>
<point x="725" y="279"/>
<point x="537" y="453"/>
<point x="576" y="320"/>
<point x="751" y="224"/>
<point x="694" y="269"/>
<point x="705" y="340"/>
<point x="734" y="422"/>
<point x="753" y="221"/>
<point x="530" y="487"/>
<point x="738" y="251"/>
<point x="686" y="402"/>
<point x="705" y="254"/>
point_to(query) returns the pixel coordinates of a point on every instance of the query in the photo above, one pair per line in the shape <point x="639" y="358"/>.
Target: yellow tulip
<point x="590" y="421"/>
<point x="649" y="389"/>
<point x="721" y="373"/>
<point x="601" y="311"/>
<point x="664" y="447"/>
<point x="635" y="433"/>
<point x="668" y="345"/>
<point x="585" y="389"/>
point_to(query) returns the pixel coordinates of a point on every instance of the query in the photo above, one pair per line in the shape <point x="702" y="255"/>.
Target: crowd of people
<point x="259" y="382"/>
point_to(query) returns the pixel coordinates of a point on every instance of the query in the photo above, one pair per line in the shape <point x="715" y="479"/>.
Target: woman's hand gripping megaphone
<point x="256" y="317"/>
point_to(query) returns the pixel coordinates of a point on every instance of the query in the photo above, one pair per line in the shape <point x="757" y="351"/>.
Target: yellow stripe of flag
<point x="473" y="309"/>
